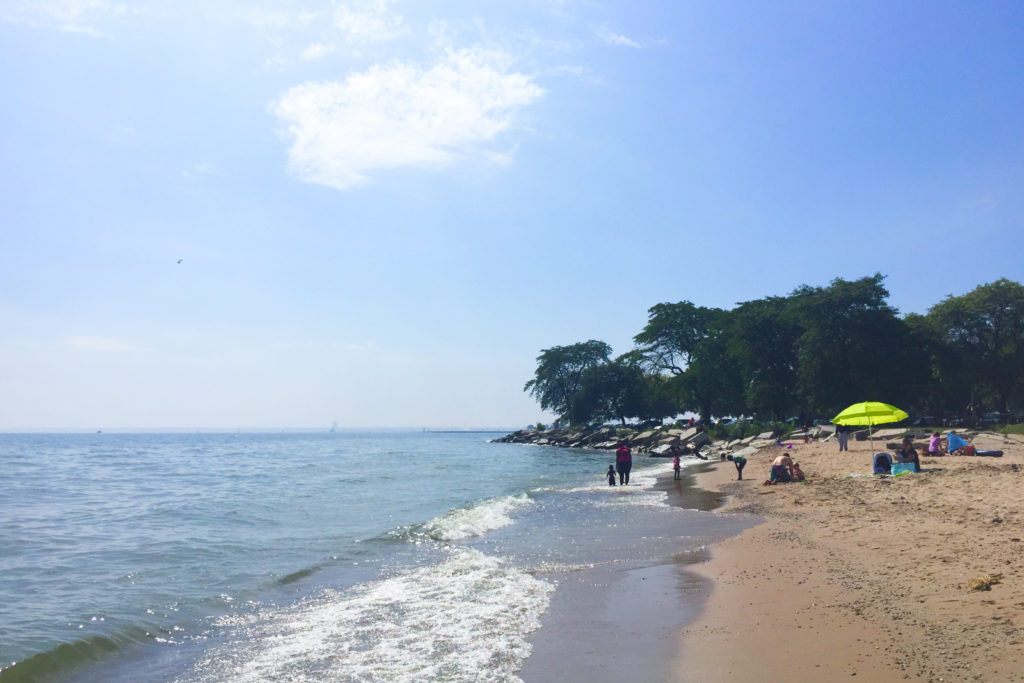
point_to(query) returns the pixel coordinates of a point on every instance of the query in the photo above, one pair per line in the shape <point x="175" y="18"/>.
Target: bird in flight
<point x="180" y="260"/>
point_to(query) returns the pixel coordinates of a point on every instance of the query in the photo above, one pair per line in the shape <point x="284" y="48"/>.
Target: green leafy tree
<point x="662" y="397"/>
<point x="611" y="391"/>
<point x="986" y="329"/>
<point x="942" y="384"/>
<point x="560" y="370"/>
<point x="852" y="348"/>
<point x="712" y="382"/>
<point x="690" y="342"/>
<point x="763" y="341"/>
<point x="672" y="333"/>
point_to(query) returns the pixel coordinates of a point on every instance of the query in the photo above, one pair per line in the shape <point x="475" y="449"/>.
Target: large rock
<point x="645" y="437"/>
<point x="891" y="433"/>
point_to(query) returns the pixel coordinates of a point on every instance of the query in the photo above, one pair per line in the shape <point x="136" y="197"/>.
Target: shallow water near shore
<point x="350" y="556"/>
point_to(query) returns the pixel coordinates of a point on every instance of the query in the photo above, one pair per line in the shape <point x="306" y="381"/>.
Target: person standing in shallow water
<point x="623" y="463"/>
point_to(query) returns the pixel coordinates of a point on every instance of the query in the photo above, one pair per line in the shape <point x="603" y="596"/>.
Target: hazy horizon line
<point x="247" y="430"/>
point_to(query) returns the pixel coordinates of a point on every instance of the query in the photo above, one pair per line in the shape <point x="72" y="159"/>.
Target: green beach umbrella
<point x="869" y="413"/>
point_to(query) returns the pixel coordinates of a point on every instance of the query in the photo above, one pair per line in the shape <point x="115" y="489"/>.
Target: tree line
<point x="809" y="354"/>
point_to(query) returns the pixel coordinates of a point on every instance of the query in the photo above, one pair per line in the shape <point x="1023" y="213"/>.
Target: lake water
<point x="343" y="556"/>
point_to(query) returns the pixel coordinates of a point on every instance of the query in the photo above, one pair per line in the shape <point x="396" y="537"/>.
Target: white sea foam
<point x="477" y="520"/>
<point x="465" y="619"/>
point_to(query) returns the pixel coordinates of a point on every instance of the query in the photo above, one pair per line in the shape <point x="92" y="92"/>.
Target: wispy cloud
<point x="268" y="19"/>
<point x="612" y="38"/>
<point x="203" y="169"/>
<point x="71" y="16"/>
<point x="369" y="21"/>
<point x="101" y="344"/>
<point x="317" y="51"/>
<point x="400" y="115"/>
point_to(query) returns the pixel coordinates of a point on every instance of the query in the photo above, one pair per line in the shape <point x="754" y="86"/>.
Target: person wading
<point x="623" y="463"/>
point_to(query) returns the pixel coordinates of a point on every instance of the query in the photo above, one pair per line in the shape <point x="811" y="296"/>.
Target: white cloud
<point x="100" y="344"/>
<point x="317" y="51"/>
<point x="401" y="115"/>
<point x="71" y="16"/>
<point x="612" y="38"/>
<point x="369" y="21"/>
<point x="262" y="18"/>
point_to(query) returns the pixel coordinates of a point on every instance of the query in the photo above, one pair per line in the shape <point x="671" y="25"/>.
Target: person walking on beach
<point x="611" y="475"/>
<point x="843" y="434"/>
<point x="740" y="463"/>
<point x="675" y="466"/>
<point x="623" y="463"/>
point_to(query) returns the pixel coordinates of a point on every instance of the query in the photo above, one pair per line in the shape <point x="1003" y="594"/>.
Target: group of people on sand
<point x="784" y="471"/>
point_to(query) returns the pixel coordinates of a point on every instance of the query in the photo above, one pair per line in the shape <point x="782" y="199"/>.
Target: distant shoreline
<point x="249" y="430"/>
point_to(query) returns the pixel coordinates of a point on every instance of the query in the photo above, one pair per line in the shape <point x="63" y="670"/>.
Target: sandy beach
<point x="864" y="576"/>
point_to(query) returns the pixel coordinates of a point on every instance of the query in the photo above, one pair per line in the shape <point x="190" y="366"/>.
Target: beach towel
<point x="902" y="467"/>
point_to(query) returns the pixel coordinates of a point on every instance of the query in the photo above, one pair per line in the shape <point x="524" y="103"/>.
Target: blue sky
<point x="384" y="210"/>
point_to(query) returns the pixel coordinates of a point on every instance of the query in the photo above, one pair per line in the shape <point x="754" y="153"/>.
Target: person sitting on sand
<point x="935" y="444"/>
<point x="957" y="446"/>
<point x="611" y="475"/>
<point x="907" y="453"/>
<point x="740" y="463"/>
<point x="798" y="474"/>
<point x="782" y="471"/>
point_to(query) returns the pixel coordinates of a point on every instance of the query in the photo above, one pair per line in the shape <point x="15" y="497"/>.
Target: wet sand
<point x="864" y="576"/>
<point x="617" y="624"/>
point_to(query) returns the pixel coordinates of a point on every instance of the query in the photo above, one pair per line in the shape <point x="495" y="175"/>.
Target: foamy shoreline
<point x="863" y="576"/>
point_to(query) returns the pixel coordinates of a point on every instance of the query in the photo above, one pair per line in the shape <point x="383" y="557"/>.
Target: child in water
<point x="675" y="466"/>
<point x="611" y="475"/>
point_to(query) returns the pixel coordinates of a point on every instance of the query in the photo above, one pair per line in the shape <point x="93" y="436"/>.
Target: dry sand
<point x="865" y="576"/>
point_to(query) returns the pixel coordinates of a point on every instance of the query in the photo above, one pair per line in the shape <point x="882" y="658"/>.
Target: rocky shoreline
<point x="666" y="441"/>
